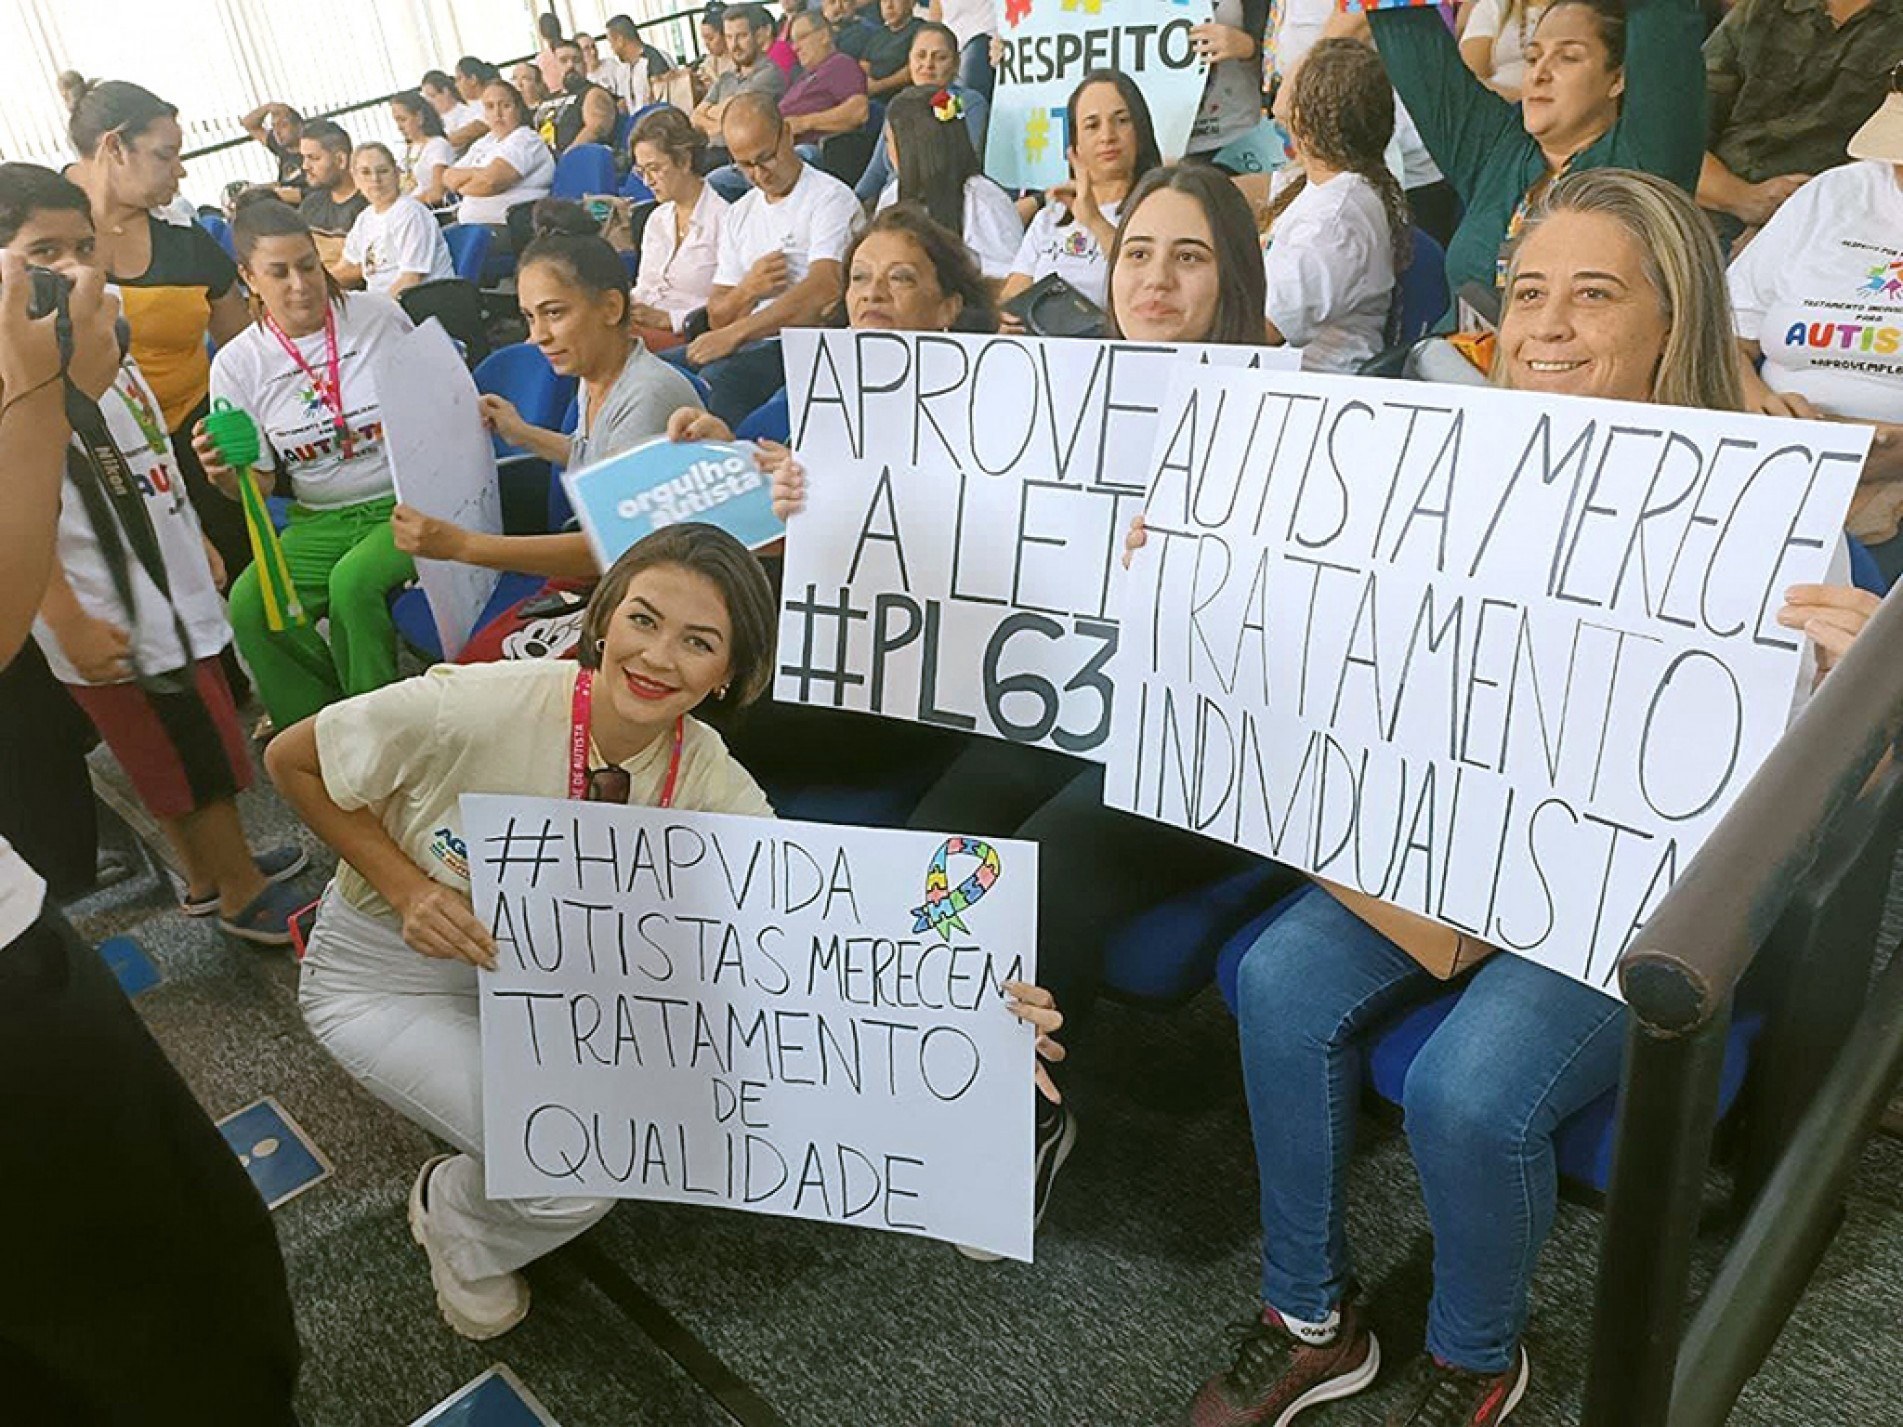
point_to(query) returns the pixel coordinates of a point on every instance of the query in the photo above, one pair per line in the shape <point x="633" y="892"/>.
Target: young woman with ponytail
<point x="1338" y="221"/>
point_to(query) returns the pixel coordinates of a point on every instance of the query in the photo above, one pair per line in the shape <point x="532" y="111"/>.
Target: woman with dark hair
<point x="305" y="371"/>
<point x="937" y="169"/>
<point x="426" y="152"/>
<point x="463" y="122"/>
<point x="389" y="983"/>
<point x="680" y="246"/>
<point x="1185" y="266"/>
<point x="1113" y="144"/>
<point x="573" y="290"/>
<point x="1607" y="85"/>
<point x="177" y="284"/>
<point x="1338" y="226"/>
<point x="506" y="168"/>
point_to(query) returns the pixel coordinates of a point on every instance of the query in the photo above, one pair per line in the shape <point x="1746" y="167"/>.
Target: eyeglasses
<point x="649" y="172"/>
<point x="609" y="785"/>
<point x="764" y="160"/>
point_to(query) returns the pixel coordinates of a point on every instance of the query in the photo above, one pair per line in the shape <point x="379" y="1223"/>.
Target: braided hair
<point x="1344" y="117"/>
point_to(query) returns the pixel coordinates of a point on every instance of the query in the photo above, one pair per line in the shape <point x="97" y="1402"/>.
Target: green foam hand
<point x="234" y="433"/>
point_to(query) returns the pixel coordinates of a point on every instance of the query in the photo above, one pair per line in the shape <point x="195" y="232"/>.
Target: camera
<point x="50" y="291"/>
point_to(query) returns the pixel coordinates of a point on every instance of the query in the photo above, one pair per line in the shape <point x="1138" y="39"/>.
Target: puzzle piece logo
<point x="945" y="904"/>
<point x="1038" y="135"/>
<point x="1016" y="12"/>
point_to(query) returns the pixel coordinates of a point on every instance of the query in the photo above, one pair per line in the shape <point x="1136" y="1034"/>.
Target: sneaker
<point x="1055" y="1137"/>
<point x="1437" y="1394"/>
<point x="280" y="864"/>
<point x="477" y="1308"/>
<point x="267" y="920"/>
<point x="1276" y="1375"/>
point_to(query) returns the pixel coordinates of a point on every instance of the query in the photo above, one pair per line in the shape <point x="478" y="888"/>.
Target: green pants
<point x="344" y="563"/>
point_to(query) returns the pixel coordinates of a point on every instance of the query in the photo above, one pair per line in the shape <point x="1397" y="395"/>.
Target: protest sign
<point x="1500" y="659"/>
<point x="663" y="482"/>
<point x="443" y="464"/>
<point x="966" y="500"/>
<point x="1047" y="46"/>
<point x="788" y="1018"/>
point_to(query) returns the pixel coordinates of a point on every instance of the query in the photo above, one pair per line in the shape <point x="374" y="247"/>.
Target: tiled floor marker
<point x="127" y="960"/>
<point x="274" y="1150"/>
<point x="496" y="1399"/>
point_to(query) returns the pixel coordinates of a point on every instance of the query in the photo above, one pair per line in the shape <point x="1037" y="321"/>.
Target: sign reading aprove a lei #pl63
<point x="966" y="501"/>
<point x="787" y="1018"/>
<point x="1497" y="658"/>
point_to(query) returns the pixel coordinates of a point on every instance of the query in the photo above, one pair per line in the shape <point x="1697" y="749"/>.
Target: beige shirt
<point x="409" y="751"/>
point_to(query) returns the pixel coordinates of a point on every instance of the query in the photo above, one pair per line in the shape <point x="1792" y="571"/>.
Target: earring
<point x="721" y="692"/>
<point x="600" y="645"/>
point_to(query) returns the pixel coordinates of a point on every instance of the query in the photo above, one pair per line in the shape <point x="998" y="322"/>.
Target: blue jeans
<point x="740" y="383"/>
<point x="1524" y="1049"/>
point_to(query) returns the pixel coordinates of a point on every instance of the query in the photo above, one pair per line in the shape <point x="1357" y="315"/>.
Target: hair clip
<point x="947" y="106"/>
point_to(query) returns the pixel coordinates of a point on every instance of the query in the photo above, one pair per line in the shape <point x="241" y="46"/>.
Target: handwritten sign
<point x="663" y="482"/>
<point x="1500" y="659"/>
<point x="443" y="464"/>
<point x="788" y="1018"/>
<point x="1047" y="46"/>
<point x="966" y="503"/>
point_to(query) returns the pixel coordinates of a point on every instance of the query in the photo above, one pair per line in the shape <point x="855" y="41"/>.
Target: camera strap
<point x="116" y="508"/>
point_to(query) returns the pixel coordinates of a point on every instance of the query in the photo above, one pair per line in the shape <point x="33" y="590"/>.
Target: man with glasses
<point x="780" y="259"/>
<point x="1790" y="81"/>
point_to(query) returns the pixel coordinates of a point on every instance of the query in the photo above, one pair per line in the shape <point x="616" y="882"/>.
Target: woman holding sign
<point x="304" y="371"/>
<point x="573" y="291"/>
<point x="389" y="983"/>
<point x="1616" y="290"/>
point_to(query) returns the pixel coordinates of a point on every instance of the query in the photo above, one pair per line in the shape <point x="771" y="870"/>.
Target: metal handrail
<point x="357" y="106"/>
<point x="1686" y="961"/>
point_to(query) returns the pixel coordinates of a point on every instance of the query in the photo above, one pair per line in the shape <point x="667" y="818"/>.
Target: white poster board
<point x="788" y="1018"/>
<point x="966" y="503"/>
<point x="1045" y="47"/>
<point x="1501" y="659"/>
<point x="444" y="465"/>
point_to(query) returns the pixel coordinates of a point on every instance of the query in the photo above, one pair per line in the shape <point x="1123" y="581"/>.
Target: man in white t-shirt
<point x="633" y="67"/>
<point x="780" y="261"/>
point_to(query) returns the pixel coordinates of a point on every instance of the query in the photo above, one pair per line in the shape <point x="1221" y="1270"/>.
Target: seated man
<point x="583" y="113"/>
<point x="633" y="66"/>
<point x="886" y="51"/>
<point x="779" y="263"/>
<point x="747" y="29"/>
<point x="828" y="98"/>
<point x="333" y="202"/>
<point x="278" y="127"/>
<point x="1789" y="84"/>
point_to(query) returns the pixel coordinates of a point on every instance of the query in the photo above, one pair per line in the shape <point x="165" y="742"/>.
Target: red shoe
<point x="1437" y="1394"/>
<point x="1276" y="1375"/>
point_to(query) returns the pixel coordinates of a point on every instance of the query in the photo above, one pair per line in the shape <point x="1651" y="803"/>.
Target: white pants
<point x="406" y="1027"/>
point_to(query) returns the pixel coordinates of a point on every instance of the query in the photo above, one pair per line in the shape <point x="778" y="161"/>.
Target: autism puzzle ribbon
<point x="943" y="902"/>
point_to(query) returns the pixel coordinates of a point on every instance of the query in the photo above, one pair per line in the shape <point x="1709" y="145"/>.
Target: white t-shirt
<point x="968" y="18"/>
<point x="1821" y="291"/>
<point x="993" y="230"/>
<point x="1486" y="21"/>
<point x="1071" y="252"/>
<point x="410" y="750"/>
<point x="423" y="160"/>
<point x="404" y="238"/>
<point x="675" y="276"/>
<point x="254" y="372"/>
<point x="461" y="117"/>
<point x="22" y="893"/>
<point x="1298" y="27"/>
<point x="138" y="430"/>
<point x="521" y="149"/>
<point x="1330" y="267"/>
<point x="813" y="223"/>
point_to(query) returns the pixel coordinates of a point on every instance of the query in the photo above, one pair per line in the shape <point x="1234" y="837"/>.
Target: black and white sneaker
<point x="1056" y="1135"/>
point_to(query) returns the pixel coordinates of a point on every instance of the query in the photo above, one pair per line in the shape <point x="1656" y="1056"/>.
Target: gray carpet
<point x="1149" y="1248"/>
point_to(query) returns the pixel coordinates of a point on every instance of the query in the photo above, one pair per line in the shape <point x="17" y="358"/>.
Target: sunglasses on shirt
<point x="609" y="785"/>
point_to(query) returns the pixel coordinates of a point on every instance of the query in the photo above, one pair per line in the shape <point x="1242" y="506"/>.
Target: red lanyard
<point x="578" y="743"/>
<point x="329" y="387"/>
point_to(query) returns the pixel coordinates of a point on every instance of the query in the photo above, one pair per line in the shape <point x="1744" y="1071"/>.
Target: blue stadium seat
<point x="1584" y="1142"/>
<point x="632" y="187"/>
<point x="219" y="229"/>
<point x="770" y="421"/>
<point x="410" y="611"/>
<point x="1423" y="288"/>
<point x="468" y="249"/>
<point x="624" y="130"/>
<point x="522" y="374"/>
<point x="586" y="168"/>
<point x="1865" y="573"/>
<point x="1170" y="951"/>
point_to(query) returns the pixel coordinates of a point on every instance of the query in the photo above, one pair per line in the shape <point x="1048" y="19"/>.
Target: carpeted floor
<point x="1148" y="1250"/>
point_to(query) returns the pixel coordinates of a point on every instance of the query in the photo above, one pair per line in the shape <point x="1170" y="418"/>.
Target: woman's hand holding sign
<point x="1037" y="1008"/>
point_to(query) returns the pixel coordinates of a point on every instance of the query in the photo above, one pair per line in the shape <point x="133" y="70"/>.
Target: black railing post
<point x="1667" y="1106"/>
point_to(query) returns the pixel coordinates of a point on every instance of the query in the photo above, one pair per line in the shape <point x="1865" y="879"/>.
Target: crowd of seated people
<point x="1633" y="248"/>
